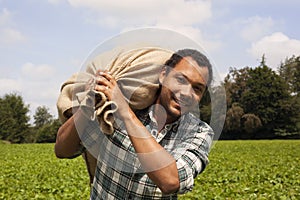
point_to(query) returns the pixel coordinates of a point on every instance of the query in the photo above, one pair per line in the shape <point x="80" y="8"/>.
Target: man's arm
<point x="159" y="165"/>
<point x="67" y="140"/>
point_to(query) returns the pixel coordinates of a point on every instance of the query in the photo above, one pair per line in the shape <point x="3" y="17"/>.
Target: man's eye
<point x="198" y="89"/>
<point x="180" y="79"/>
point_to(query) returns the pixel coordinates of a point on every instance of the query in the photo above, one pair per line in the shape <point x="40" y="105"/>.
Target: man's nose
<point x="187" y="91"/>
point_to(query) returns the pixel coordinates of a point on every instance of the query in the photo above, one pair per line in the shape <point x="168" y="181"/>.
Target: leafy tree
<point x="233" y="120"/>
<point x="235" y="84"/>
<point x="250" y="124"/>
<point x="14" y="119"/>
<point x="290" y="72"/>
<point x="7" y="123"/>
<point x="295" y="118"/>
<point x="45" y="125"/>
<point x="265" y="96"/>
<point x="47" y="132"/>
<point x="42" y="116"/>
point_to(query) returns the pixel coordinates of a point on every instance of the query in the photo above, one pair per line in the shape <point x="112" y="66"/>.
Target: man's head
<point x="201" y="60"/>
<point x="184" y="80"/>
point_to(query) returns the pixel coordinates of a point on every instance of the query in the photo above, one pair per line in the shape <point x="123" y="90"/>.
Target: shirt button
<point x="154" y="132"/>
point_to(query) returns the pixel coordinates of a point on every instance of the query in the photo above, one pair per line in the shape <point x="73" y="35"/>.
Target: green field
<point x="237" y="170"/>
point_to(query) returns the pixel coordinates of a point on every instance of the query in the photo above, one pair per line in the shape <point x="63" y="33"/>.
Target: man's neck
<point x="161" y="116"/>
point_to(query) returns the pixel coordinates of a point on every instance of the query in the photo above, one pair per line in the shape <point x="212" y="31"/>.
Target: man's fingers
<point x="108" y="76"/>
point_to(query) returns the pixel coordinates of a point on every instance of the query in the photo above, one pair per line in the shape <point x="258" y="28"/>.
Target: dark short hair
<point x="200" y="58"/>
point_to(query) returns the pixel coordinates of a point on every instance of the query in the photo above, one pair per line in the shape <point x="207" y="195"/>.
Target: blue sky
<point x="42" y="42"/>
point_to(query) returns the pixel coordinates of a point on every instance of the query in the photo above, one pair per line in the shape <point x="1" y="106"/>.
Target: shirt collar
<point x="168" y="127"/>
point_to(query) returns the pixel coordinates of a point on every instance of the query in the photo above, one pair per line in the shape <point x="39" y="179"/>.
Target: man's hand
<point x="107" y="84"/>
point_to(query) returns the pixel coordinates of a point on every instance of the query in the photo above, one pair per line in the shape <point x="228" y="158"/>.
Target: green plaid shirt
<point x="119" y="174"/>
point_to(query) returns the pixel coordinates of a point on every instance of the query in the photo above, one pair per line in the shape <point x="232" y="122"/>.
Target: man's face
<point x="182" y="88"/>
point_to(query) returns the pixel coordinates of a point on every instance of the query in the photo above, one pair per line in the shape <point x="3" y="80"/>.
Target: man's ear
<point x="162" y="74"/>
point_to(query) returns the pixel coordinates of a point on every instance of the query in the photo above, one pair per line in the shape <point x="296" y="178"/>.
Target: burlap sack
<point x="136" y="72"/>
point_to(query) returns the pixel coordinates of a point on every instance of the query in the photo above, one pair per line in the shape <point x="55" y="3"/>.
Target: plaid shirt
<point x="119" y="174"/>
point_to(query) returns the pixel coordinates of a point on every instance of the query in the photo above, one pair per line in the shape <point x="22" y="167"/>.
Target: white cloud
<point x="41" y="93"/>
<point x="113" y="13"/>
<point x="5" y="16"/>
<point x="194" y="34"/>
<point x="259" y="2"/>
<point x="276" y="48"/>
<point x="37" y="84"/>
<point x="55" y="2"/>
<point x="38" y="72"/>
<point x="8" y="85"/>
<point x="256" y="27"/>
<point x="8" y="34"/>
<point x="182" y="16"/>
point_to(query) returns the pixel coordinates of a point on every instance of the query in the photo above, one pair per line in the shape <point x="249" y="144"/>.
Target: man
<point x="154" y="153"/>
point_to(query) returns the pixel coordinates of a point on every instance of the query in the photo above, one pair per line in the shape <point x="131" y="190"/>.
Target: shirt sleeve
<point x="192" y="155"/>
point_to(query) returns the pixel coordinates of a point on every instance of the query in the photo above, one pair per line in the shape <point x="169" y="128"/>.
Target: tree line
<point x="15" y="126"/>
<point x="262" y="103"/>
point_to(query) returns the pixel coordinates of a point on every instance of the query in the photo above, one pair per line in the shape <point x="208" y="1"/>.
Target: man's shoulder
<point x="191" y="118"/>
<point x="194" y="122"/>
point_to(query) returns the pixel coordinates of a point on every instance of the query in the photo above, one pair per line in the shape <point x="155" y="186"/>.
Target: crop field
<point x="266" y="169"/>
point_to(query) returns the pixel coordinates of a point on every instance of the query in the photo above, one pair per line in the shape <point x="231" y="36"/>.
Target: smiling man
<point x="183" y="86"/>
<point x="154" y="153"/>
